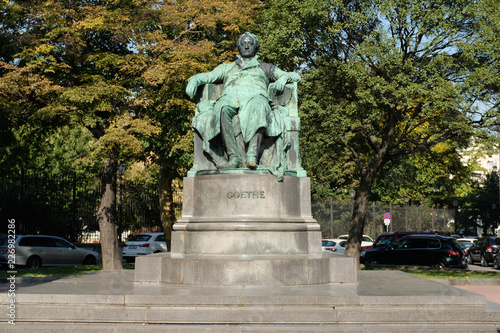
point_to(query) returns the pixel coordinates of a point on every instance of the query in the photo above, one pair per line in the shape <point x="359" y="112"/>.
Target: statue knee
<point x="228" y="112"/>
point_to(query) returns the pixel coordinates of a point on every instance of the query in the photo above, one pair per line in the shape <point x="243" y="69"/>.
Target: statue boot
<point x="253" y="150"/>
<point x="229" y="139"/>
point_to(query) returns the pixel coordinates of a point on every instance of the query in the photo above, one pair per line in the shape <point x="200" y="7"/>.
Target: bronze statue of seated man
<point x="247" y="85"/>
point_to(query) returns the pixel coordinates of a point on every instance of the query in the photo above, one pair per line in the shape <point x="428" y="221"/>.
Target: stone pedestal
<point x="246" y="229"/>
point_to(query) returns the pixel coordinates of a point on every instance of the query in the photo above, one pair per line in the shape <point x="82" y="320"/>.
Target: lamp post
<point x="455" y="203"/>
<point x="352" y="194"/>
<point x="406" y="212"/>
<point x="121" y="172"/>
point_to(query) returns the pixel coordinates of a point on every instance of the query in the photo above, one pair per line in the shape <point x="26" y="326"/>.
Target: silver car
<point x="33" y="251"/>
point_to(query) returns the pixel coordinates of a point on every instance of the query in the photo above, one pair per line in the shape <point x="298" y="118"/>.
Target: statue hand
<point x="191" y="88"/>
<point x="279" y="86"/>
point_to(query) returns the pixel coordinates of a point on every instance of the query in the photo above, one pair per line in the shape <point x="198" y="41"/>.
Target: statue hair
<point x="248" y="34"/>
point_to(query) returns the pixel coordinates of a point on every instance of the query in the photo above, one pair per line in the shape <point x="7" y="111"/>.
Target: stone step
<point x="112" y="302"/>
<point x="245" y="328"/>
<point x="245" y="314"/>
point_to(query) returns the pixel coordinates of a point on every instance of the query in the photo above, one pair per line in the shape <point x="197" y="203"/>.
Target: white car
<point x="367" y="240"/>
<point x="333" y="245"/>
<point x="144" y="244"/>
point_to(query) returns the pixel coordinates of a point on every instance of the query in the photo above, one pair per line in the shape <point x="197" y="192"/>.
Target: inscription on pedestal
<point x="246" y="195"/>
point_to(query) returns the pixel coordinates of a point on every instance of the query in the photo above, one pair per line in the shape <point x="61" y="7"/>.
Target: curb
<point x="468" y="282"/>
<point x="29" y="280"/>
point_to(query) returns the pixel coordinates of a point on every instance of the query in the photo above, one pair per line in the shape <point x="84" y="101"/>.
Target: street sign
<point x="387" y="220"/>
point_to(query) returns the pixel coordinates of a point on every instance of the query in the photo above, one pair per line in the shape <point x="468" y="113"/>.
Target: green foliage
<point x="388" y="82"/>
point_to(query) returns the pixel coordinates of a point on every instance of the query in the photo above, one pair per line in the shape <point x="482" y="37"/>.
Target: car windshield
<point x="383" y="240"/>
<point x="466" y="244"/>
<point x="140" y="238"/>
<point x="455" y="245"/>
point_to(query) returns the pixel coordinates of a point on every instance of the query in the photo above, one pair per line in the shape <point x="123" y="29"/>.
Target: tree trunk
<point x="361" y="201"/>
<point x="167" y="208"/>
<point x="106" y="216"/>
<point x="357" y="224"/>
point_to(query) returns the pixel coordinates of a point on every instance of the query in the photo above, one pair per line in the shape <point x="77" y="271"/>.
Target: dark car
<point x="387" y="238"/>
<point x="484" y="250"/>
<point x="418" y="250"/>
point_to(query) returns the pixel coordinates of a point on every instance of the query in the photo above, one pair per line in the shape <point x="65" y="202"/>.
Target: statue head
<point x="248" y="45"/>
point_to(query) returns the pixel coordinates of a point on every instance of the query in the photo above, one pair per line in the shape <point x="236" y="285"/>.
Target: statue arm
<point x="282" y="78"/>
<point x="203" y="78"/>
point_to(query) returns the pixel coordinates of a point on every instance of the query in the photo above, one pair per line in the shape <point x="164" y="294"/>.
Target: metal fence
<point x="334" y="216"/>
<point x="67" y="206"/>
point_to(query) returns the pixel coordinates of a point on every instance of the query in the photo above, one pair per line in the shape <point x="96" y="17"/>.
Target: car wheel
<point x="157" y="251"/>
<point x="439" y="265"/>
<point x="34" y="262"/>
<point x="483" y="261"/>
<point x="495" y="264"/>
<point x="89" y="260"/>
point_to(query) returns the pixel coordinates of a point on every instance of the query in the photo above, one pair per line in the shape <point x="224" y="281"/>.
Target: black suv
<point x="387" y="238"/>
<point x="418" y="250"/>
<point x="484" y="250"/>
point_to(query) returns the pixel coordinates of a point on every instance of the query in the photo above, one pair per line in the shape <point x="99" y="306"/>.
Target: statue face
<point x="247" y="47"/>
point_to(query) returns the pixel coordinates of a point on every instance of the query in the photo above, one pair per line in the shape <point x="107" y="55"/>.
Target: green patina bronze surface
<point x="248" y="108"/>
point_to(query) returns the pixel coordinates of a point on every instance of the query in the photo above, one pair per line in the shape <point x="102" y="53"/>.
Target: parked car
<point x="466" y="243"/>
<point x="483" y="250"/>
<point x="367" y="240"/>
<point x="34" y="251"/>
<point x="144" y="244"/>
<point x="387" y="238"/>
<point x="333" y="245"/>
<point x="496" y="261"/>
<point x="418" y="250"/>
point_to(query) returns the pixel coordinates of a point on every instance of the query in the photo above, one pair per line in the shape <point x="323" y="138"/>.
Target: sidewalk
<point x="492" y="294"/>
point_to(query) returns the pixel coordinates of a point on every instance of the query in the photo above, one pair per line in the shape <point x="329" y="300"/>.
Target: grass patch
<point x="430" y="273"/>
<point x="53" y="271"/>
<point x="58" y="271"/>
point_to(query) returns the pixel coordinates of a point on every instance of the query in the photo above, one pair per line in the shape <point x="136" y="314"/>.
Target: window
<point x="434" y="244"/>
<point x="402" y="244"/>
<point x="140" y="238"/>
<point x="384" y="240"/>
<point x="62" y="243"/>
<point x="37" y="241"/>
<point x="160" y="238"/>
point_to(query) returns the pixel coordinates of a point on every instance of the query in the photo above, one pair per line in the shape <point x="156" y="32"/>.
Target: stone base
<point x="278" y="270"/>
<point x="246" y="230"/>
<point x="246" y="214"/>
<point x="381" y="301"/>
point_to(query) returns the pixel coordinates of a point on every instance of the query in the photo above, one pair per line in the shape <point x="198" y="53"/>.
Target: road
<point x="483" y="269"/>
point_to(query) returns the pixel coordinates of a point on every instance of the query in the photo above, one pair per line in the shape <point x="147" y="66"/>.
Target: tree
<point x="176" y="41"/>
<point x="393" y="78"/>
<point x="68" y="72"/>
<point x="118" y="68"/>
